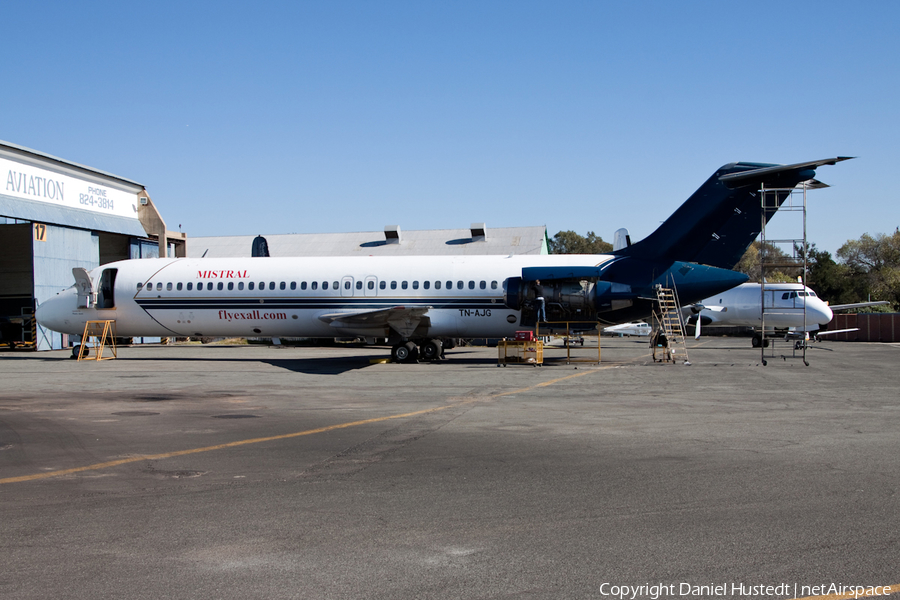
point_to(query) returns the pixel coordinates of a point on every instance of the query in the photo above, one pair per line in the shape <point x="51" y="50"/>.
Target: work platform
<point x="98" y="335"/>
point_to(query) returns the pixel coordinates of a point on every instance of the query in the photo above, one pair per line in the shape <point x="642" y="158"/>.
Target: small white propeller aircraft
<point x="742" y="306"/>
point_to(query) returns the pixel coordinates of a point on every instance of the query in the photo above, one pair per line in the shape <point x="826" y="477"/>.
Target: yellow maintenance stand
<point x="103" y="334"/>
<point x="522" y="350"/>
<point x="569" y="327"/>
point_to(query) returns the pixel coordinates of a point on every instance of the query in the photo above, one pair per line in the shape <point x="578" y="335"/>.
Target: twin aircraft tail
<point x="717" y="224"/>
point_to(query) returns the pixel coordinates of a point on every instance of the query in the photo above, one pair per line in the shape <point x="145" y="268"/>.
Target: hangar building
<point x="56" y="215"/>
<point x="391" y="242"/>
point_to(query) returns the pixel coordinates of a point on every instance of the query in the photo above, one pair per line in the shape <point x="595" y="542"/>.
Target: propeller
<point x="695" y="309"/>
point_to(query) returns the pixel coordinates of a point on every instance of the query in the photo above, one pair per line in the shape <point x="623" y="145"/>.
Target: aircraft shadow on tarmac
<point x="309" y="366"/>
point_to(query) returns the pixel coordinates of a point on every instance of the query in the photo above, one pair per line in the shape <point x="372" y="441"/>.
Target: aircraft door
<point x="106" y="295"/>
<point x="87" y="295"/>
<point x="347" y="286"/>
<point x="371" y="286"/>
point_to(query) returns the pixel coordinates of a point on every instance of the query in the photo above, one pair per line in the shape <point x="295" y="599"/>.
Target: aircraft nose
<point x="51" y="312"/>
<point x="819" y="312"/>
<point x="44" y="314"/>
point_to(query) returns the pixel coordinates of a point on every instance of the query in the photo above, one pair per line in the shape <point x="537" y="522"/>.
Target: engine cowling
<point x="609" y="295"/>
<point x="570" y="298"/>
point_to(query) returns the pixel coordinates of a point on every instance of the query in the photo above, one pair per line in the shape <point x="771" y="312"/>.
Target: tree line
<point x="864" y="269"/>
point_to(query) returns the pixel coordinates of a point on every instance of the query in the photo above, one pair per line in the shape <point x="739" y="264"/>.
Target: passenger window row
<point x="370" y="284"/>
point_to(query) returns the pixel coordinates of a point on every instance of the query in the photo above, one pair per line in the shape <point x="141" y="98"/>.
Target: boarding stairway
<point x="670" y="323"/>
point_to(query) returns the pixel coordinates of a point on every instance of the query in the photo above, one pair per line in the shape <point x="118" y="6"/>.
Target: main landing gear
<point x="409" y="352"/>
<point x="758" y="341"/>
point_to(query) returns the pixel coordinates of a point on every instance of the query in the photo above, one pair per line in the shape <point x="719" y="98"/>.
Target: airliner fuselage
<point x="400" y="298"/>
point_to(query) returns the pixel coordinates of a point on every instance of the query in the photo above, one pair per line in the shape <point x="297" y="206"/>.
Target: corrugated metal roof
<point x="63" y="162"/>
<point x="504" y="241"/>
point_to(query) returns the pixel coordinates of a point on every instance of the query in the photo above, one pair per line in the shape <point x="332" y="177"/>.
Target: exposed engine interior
<point x="570" y="299"/>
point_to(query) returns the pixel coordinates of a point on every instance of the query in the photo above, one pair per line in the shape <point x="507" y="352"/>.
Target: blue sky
<point x="295" y="117"/>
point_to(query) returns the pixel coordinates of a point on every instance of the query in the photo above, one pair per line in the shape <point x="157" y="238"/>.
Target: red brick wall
<point x="873" y="327"/>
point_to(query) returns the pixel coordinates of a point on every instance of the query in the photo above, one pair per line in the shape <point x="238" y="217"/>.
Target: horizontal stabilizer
<point x="771" y="173"/>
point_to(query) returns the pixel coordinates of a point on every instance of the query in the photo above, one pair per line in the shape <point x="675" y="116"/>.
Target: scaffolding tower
<point x="787" y="256"/>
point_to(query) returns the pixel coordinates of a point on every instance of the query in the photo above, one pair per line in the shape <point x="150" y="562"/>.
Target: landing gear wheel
<point x="431" y="350"/>
<point x="407" y="352"/>
<point x="758" y="341"/>
<point x="77" y="349"/>
<point x="399" y="353"/>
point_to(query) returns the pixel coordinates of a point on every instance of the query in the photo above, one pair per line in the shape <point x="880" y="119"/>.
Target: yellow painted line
<point x="870" y="592"/>
<point x="124" y="461"/>
<point x="142" y="457"/>
<point x="558" y="379"/>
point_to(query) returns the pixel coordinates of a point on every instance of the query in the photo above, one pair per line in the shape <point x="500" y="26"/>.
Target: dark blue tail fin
<point x="717" y="224"/>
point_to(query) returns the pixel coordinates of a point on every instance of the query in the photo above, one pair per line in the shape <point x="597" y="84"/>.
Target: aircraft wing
<point x="404" y="319"/>
<point x="821" y="333"/>
<point x="857" y="305"/>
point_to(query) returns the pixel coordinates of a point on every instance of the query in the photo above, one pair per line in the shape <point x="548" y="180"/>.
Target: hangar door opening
<point x="16" y="284"/>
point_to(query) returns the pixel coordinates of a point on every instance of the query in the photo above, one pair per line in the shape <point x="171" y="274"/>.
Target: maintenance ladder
<point x="670" y="323"/>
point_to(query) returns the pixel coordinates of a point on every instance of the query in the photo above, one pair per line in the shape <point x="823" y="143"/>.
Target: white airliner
<point x="419" y="302"/>
<point x="742" y="306"/>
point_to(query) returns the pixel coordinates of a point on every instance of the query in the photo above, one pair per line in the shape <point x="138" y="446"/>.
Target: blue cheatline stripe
<point x="337" y="303"/>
